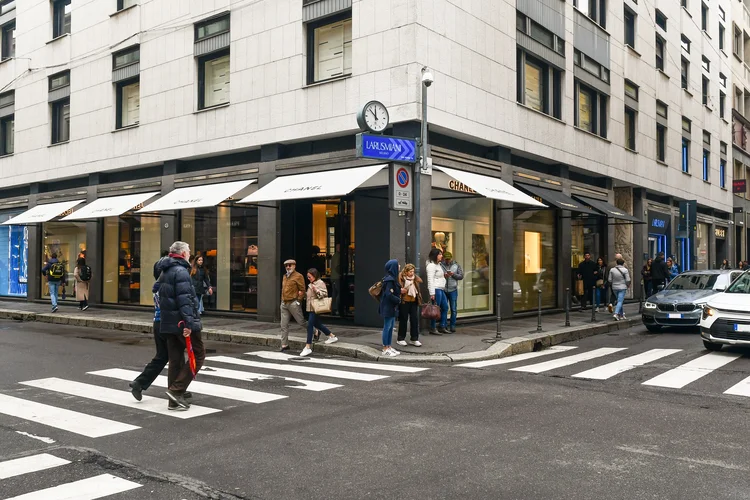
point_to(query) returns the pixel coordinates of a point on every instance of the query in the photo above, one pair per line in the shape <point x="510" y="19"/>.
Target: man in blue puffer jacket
<point x="390" y="298"/>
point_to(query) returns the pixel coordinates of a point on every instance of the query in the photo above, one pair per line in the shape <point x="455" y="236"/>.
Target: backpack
<point x="56" y="271"/>
<point x="85" y="273"/>
<point x="376" y="290"/>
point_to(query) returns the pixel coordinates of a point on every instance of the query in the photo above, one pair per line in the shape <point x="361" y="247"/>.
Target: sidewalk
<point x="472" y="342"/>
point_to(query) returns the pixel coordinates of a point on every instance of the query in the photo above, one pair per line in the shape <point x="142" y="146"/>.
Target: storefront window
<point x="333" y="251"/>
<point x="462" y="226"/>
<point x="14" y="254"/>
<point x="701" y="246"/>
<point x="68" y="241"/>
<point x="586" y="237"/>
<point x="131" y="247"/>
<point x="534" y="247"/>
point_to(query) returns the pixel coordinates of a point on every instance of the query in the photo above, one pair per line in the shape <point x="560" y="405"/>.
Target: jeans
<point x="54" y="286"/>
<point x="442" y="301"/>
<point x="599" y="292"/>
<point x="313" y="322"/>
<point x="408" y="312"/>
<point x="156" y="365"/>
<point x="620" y="300"/>
<point x="179" y="374"/>
<point x="388" y="331"/>
<point x="453" y="304"/>
<point x="200" y="304"/>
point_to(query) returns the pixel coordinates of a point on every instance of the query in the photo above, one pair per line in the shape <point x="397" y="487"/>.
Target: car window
<point x="693" y="282"/>
<point x="733" y="275"/>
<point x="740" y="285"/>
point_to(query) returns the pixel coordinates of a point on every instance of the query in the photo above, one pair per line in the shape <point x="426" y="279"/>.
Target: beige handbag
<point x="321" y="306"/>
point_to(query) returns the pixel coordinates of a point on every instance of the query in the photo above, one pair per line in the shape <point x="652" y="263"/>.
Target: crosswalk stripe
<point x="516" y="358"/>
<point x="197" y="387"/>
<point x="309" y="370"/>
<point x="568" y="360"/>
<point x="679" y="377"/>
<point x="60" y="418"/>
<point x="616" y="367"/>
<point x="280" y="356"/>
<point x="306" y="385"/>
<point x="26" y="465"/>
<point x="740" y="389"/>
<point x="86" y="489"/>
<point x="113" y="396"/>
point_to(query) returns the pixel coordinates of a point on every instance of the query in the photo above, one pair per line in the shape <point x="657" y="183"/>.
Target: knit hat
<point x="447" y="255"/>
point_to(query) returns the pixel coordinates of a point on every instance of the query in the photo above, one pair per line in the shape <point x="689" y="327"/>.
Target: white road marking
<point x="280" y="356"/>
<point x="197" y="387"/>
<point x="568" y="360"/>
<point x="115" y="397"/>
<point x="306" y="385"/>
<point x="86" y="489"/>
<point x="40" y="438"/>
<point x="742" y="388"/>
<point x="679" y="377"/>
<point x="298" y="368"/>
<point x="26" y="465"/>
<point x="518" y="357"/>
<point x="616" y="367"/>
<point x="60" y="418"/>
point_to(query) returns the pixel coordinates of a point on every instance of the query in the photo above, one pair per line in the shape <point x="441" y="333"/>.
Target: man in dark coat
<point x="588" y="272"/>
<point x="179" y="319"/>
<point x="659" y="273"/>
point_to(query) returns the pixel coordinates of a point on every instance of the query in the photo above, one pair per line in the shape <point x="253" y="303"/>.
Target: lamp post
<point x="420" y="167"/>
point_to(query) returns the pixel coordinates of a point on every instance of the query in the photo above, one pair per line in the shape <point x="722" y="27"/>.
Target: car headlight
<point x="708" y="311"/>
<point x="649" y="305"/>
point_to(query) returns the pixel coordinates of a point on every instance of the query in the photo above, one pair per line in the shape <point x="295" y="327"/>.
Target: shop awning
<point x="110" y="207"/>
<point x="205" y="195"/>
<point x="43" y="213"/>
<point x="314" y="185"/>
<point x="558" y="199"/>
<point x="608" y="209"/>
<point x="491" y="187"/>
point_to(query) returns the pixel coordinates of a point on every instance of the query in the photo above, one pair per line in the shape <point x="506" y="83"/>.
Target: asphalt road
<point x="445" y="432"/>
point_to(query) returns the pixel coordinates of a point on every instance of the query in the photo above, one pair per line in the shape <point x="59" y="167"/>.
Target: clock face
<point x="376" y="116"/>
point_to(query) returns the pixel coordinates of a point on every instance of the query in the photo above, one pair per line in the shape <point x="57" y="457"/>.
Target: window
<point x="593" y="67"/>
<point x="126" y="57"/>
<point x="7" y="135"/>
<point x="9" y="40"/>
<point x="683" y="3"/>
<point x="330" y="45"/>
<point x="661" y="109"/>
<point x="722" y="173"/>
<point x="61" y="121"/>
<point x="684" y="68"/>
<point x="61" y="13"/>
<point x="737" y="44"/>
<point x="706" y="138"/>
<point x="723" y="80"/>
<point x="591" y="110"/>
<point x="539" y="33"/>
<point x="661" y="20"/>
<point x="211" y="27"/>
<point x="685" y="43"/>
<point x="685" y="155"/>
<point x="128" y="103"/>
<point x="630" y="121"/>
<point x="704" y="16"/>
<point x="125" y="4"/>
<point x="706" y="164"/>
<point x="539" y="85"/>
<point x="595" y="10"/>
<point x="722" y="104"/>
<point x="722" y="14"/>
<point x="704" y="90"/>
<point x="661" y="142"/>
<point x="722" y="35"/>
<point x="686" y="125"/>
<point x="659" y="53"/>
<point x="706" y="64"/>
<point x="631" y="90"/>
<point x="629" y="27"/>
<point x="213" y="78"/>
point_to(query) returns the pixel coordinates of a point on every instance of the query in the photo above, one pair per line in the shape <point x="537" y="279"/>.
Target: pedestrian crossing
<point x="223" y="383"/>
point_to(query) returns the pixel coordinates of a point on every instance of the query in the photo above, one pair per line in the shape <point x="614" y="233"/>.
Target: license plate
<point x="741" y="328"/>
<point x="674" y="316"/>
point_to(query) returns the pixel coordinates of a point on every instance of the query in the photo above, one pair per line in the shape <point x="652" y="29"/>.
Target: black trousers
<point x="408" y="311"/>
<point x="588" y="291"/>
<point x="156" y="365"/>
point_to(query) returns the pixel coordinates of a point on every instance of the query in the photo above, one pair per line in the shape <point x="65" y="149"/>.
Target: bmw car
<point x="726" y="316"/>
<point x="681" y="302"/>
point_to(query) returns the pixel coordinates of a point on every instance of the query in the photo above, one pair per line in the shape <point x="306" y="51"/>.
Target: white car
<point x="726" y="316"/>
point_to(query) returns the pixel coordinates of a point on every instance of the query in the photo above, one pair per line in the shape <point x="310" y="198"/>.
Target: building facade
<point x="141" y="122"/>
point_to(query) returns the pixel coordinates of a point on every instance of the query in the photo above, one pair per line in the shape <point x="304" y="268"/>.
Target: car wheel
<point x="711" y="346"/>
<point x="653" y="328"/>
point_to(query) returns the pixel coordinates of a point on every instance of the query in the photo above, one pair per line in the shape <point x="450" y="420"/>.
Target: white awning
<point x="43" y="213"/>
<point x="314" y="185"/>
<point x="205" y="195"/>
<point x="491" y="187"/>
<point x="110" y="207"/>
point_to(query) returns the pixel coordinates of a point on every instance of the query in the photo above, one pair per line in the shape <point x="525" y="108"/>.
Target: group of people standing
<point x="656" y="273"/>
<point x="56" y="275"/>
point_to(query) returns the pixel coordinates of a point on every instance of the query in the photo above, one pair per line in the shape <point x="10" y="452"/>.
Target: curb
<point x="500" y="349"/>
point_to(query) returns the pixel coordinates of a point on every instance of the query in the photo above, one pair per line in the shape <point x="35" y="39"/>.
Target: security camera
<point x="427" y="78"/>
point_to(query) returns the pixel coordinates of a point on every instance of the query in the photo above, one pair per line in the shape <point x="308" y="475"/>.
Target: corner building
<point x="141" y="122"/>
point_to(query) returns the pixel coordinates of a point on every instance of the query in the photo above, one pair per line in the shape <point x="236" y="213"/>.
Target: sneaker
<point x="391" y="353"/>
<point x="187" y="395"/>
<point x="394" y="350"/>
<point x="622" y="317"/>
<point x="610" y="308"/>
<point x="178" y="399"/>
<point x="305" y="352"/>
<point x="84" y="308"/>
<point x="597" y="310"/>
<point x="452" y="330"/>
<point x="415" y="343"/>
<point x="332" y="340"/>
<point x="54" y="309"/>
<point x="401" y="342"/>
<point x="617" y="318"/>
<point x="136" y="390"/>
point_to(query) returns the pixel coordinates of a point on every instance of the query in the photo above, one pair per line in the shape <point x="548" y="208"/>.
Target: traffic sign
<point x="399" y="189"/>
<point x="383" y="147"/>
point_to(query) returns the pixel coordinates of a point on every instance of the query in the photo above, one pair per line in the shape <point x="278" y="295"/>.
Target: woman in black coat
<point x="201" y="281"/>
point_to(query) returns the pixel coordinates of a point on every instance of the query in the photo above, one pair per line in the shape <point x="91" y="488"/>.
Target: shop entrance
<point x="657" y="243"/>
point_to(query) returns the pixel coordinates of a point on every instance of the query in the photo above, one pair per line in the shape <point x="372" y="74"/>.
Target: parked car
<point x="726" y="316"/>
<point x="681" y="301"/>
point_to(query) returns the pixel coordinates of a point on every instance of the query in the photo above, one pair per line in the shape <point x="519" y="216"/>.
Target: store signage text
<point x="720" y="232"/>
<point x="739" y="186"/>
<point x="303" y="188"/>
<point x="382" y="147"/>
<point x="460" y="186"/>
<point x="659" y="223"/>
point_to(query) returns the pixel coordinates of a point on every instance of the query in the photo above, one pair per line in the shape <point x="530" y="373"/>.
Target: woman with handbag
<point x="601" y="283"/>
<point x="316" y="305"/>
<point x="408" y="311"/>
<point x="436" y="287"/>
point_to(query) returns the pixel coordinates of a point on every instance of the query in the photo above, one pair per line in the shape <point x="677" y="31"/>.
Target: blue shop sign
<point x="383" y="147"/>
<point x="658" y="223"/>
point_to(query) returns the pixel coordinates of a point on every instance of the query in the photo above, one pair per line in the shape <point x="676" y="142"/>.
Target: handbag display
<point x="430" y="311"/>
<point x="321" y="306"/>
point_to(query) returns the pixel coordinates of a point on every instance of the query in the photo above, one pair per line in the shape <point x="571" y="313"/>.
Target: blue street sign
<point x="382" y="147"/>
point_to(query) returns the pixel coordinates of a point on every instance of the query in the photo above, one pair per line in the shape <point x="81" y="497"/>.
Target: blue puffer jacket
<point x="177" y="300"/>
<point x="391" y="296"/>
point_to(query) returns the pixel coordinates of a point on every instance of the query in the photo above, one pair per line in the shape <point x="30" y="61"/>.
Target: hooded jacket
<point x="391" y="296"/>
<point x="177" y="299"/>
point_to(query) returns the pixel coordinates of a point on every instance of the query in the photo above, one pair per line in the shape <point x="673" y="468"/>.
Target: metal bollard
<point x="498" y="333"/>
<point x="640" y="300"/>
<point x="593" y="302"/>
<point x="567" y="307"/>
<point x="539" y="313"/>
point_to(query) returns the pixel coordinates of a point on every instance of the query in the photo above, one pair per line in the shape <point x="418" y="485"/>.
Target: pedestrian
<point x="725" y="265"/>
<point x="55" y="272"/>
<point x="619" y="276"/>
<point x="672" y="268"/>
<point x="588" y="272"/>
<point x="408" y="311"/>
<point x="453" y="274"/>
<point x="659" y="273"/>
<point x="601" y="282"/>
<point x="201" y="281"/>
<point x="612" y="294"/>
<point x="315" y="290"/>
<point x="292" y="291"/>
<point x="646" y="277"/>
<point x="179" y="319"/>
<point x="390" y="298"/>
<point x="436" y="287"/>
<point x="82" y="275"/>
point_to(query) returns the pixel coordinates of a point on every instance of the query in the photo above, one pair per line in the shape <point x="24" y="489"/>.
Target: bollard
<point x="567" y="307"/>
<point x="640" y="300"/>
<point x="539" y="313"/>
<point x="593" y="302"/>
<point x="498" y="334"/>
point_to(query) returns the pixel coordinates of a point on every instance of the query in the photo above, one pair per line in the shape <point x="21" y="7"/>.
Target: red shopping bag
<point x="191" y="356"/>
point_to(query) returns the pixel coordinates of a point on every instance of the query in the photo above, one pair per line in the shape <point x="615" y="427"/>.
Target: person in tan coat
<point x="292" y="291"/>
<point x="408" y="310"/>
<point x="82" y="275"/>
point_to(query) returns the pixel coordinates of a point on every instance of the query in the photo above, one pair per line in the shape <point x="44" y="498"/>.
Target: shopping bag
<point x="191" y="356"/>
<point x="579" y="287"/>
<point x="321" y="306"/>
<point x="430" y="311"/>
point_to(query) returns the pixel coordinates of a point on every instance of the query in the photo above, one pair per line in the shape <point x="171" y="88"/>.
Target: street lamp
<point x="420" y="167"/>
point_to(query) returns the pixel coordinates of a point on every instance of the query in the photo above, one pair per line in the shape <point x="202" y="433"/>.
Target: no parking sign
<point x="400" y="190"/>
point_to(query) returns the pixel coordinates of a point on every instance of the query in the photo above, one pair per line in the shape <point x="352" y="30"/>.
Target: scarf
<point x="411" y="290"/>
